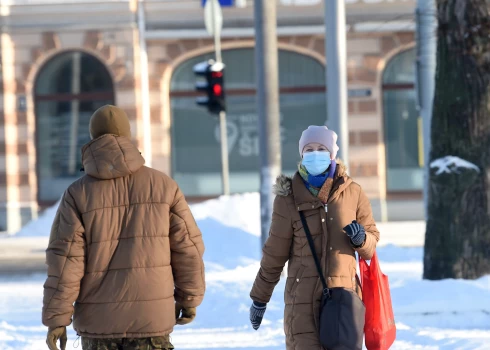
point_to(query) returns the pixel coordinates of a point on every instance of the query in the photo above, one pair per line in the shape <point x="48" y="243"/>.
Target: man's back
<point x="124" y="245"/>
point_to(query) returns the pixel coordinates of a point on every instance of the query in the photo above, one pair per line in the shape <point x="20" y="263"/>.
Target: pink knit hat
<point x="322" y="135"/>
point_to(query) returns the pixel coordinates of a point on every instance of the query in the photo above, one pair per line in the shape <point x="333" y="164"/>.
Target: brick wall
<point x="367" y="55"/>
<point x="23" y="55"/>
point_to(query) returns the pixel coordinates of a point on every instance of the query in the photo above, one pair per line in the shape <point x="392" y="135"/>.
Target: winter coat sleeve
<point x="365" y="218"/>
<point x="276" y="252"/>
<point x="187" y="249"/>
<point x="65" y="258"/>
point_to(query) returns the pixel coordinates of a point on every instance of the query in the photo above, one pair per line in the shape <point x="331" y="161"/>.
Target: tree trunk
<point x="457" y="243"/>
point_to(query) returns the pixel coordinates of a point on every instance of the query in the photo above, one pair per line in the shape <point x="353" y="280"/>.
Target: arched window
<point x="196" y="162"/>
<point x="68" y="89"/>
<point x="402" y="125"/>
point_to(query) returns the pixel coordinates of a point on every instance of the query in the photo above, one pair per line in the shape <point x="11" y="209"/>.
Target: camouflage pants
<point x="127" y="343"/>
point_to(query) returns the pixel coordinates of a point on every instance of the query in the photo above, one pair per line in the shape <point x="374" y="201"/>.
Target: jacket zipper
<point x="327" y="248"/>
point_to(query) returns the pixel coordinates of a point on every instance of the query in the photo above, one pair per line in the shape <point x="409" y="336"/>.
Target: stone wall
<point x="367" y="57"/>
<point x="23" y="56"/>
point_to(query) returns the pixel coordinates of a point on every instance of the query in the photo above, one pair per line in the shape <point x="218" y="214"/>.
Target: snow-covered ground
<point x="240" y="211"/>
<point x="449" y="314"/>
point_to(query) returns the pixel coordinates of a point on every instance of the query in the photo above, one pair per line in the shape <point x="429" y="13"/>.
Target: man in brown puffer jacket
<point x="124" y="247"/>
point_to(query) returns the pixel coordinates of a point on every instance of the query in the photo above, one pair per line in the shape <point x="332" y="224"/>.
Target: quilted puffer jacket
<point x="287" y="242"/>
<point x="124" y="247"/>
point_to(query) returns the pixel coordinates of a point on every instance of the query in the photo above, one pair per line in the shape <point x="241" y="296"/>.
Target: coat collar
<point x="303" y="198"/>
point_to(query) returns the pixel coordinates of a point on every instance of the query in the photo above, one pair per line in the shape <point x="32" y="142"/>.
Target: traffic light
<point x="212" y="84"/>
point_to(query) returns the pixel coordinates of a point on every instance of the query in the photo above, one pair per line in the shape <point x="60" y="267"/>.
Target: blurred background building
<point x="62" y="59"/>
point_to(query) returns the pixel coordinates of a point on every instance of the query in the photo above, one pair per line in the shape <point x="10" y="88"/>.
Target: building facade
<point x="63" y="59"/>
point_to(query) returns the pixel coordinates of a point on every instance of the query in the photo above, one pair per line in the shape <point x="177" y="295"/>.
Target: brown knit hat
<point x="109" y="120"/>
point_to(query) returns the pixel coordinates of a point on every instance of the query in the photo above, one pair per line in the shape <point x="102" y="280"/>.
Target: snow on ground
<point x="450" y="314"/>
<point x="243" y="212"/>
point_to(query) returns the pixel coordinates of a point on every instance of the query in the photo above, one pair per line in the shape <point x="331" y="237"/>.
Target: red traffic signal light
<point x="213" y="72"/>
<point x="217" y="89"/>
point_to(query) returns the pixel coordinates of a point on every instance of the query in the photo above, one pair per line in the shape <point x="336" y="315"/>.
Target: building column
<point x="18" y="202"/>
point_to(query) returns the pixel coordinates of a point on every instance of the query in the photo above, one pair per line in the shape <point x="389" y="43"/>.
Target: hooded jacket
<point x="287" y="242"/>
<point x="124" y="247"/>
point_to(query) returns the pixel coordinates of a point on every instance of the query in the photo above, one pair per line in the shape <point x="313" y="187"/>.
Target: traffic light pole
<point x="267" y="106"/>
<point x="426" y="69"/>
<point x="225" y="169"/>
<point x="224" y="154"/>
<point x="337" y="73"/>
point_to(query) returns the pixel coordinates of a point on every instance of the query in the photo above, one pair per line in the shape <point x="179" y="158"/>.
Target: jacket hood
<point x="110" y="157"/>
<point x="284" y="184"/>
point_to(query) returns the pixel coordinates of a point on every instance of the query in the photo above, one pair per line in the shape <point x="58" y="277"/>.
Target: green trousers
<point x="127" y="343"/>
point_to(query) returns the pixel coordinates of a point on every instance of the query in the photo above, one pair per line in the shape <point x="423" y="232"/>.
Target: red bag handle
<point x="364" y="267"/>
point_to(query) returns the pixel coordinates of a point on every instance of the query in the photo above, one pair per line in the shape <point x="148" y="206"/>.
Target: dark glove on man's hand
<point x="356" y="233"/>
<point x="55" y="334"/>
<point x="257" y="311"/>
<point x="184" y="315"/>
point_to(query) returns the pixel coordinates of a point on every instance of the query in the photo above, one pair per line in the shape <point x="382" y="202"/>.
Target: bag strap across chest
<point x="326" y="291"/>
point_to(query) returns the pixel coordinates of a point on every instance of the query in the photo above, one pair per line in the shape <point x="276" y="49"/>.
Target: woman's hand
<point x="356" y="233"/>
<point x="257" y="311"/>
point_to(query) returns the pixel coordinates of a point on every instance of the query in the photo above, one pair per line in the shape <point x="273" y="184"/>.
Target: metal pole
<point x="426" y="69"/>
<point x="267" y="106"/>
<point x="145" y="87"/>
<point x="224" y="154"/>
<point x="217" y="32"/>
<point x="225" y="168"/>
<point x="336" y="54"/>
<point x="75" y="113"/>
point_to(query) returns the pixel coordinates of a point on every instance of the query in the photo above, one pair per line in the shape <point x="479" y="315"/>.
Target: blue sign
<point x="223" y="3"/>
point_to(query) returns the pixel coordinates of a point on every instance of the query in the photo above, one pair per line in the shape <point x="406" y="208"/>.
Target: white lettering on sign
<point x="243" y="133"/>
<point x="232" y="131"/>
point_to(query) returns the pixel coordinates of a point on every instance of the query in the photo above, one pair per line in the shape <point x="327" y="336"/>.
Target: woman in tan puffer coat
<point x="124" y="248"/>
<point x="340" y="219"/>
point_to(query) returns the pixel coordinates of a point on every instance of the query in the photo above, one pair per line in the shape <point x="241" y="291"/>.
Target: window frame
<point x="64" y="97"/>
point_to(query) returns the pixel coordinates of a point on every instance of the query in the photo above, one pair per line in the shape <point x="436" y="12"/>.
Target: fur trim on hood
<point x="283" y="185"/>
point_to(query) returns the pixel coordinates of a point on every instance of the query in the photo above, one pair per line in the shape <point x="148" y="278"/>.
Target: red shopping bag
<point x="379" y="329"/>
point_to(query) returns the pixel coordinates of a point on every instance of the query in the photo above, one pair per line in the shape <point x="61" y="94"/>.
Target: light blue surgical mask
<point x="316" y="162"/>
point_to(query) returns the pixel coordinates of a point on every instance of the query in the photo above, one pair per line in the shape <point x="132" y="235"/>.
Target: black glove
<point x="356" y="233"/>
<point x="257" y="311"/>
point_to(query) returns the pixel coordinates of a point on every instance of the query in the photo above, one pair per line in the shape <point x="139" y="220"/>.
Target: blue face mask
<point x="316" y="162"/>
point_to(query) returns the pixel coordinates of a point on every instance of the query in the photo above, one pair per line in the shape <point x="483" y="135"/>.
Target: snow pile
<point x="40" y="227"/>
<point x="451" y="164"/>
<point x="241" y="211"/>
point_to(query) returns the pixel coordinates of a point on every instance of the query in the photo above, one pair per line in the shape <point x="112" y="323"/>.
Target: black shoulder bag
<point x="342" y="313"/>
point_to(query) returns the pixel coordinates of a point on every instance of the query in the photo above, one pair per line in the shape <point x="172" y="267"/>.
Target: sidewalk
<point x="27" y="254"/>
<point x="402" y="233"/>
<point x="22" y="254"/>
